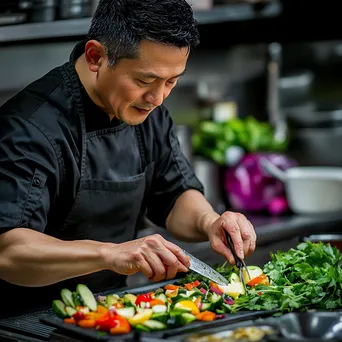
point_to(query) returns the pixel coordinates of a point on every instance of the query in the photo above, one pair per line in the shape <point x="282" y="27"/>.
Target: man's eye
<point x="142" y="82"/>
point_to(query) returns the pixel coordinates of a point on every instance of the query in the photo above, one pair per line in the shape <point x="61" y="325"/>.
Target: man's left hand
<point x="241" y="231"/>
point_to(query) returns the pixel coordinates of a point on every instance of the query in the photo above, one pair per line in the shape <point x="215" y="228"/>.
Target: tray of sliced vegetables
<point x="307" y="276"/>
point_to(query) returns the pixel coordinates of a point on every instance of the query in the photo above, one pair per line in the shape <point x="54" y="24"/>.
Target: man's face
<point x="134" y="87"/>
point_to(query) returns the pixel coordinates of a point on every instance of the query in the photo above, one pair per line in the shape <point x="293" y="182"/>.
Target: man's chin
<point x="135" y="120"/>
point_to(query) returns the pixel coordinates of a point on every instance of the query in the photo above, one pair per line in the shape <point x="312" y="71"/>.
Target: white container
<point x="310" y="189"/>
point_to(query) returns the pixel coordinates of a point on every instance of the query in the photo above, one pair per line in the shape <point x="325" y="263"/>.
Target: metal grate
<point x="28" y="324"/>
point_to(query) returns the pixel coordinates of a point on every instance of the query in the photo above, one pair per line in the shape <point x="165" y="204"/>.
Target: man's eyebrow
<point x="153" y="75"/>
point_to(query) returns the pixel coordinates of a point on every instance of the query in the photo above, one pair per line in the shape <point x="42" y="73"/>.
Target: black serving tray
<point x="52" y="320"/>
<point x="93" y="334"/>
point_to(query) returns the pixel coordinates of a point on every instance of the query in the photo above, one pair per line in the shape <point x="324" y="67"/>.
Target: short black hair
<point x="121" y="25"/>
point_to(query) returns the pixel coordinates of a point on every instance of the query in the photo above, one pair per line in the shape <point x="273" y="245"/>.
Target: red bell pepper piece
<point x="262" y="279"/>
<point x="78" y="315"/>
<point x="143" y="298"/>
<point x="106" y="322"/>
<point x="122" y="327"/>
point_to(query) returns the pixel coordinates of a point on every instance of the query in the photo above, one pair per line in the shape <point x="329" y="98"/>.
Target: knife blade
<point x="205" y="270"/>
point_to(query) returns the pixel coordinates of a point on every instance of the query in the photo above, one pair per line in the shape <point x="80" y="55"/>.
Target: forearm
<point x="30" y="258"/>
<point x="190" y="217"/>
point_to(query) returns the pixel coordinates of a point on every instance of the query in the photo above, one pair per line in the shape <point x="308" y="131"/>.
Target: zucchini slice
<point x="87" y="297"/>
<point x="59" y="307"/>
<point x="154" y="325"/>
<point x="70" y="311"/>
<point x="66" y="295"/>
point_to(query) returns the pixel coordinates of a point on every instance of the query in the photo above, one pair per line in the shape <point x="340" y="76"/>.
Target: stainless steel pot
<point x="184" y="134"/>
<point x="310" y="190"/>
<point x="316" y="135"/>
<point x="209" y="175"/>
<point x="75" y="9"/>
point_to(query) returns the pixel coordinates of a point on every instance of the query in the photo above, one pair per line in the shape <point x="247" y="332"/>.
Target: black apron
<point x="108" y="206"/>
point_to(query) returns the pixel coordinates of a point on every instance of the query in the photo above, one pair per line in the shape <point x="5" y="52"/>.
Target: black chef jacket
<point x="40" y="158"/>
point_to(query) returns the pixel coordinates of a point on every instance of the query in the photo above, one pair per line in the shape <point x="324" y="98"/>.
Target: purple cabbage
<point x="249" y="187"/>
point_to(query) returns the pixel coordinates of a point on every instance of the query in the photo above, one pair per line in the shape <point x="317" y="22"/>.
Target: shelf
<point x="238" y="12"/>
<point x="79" y="27"/>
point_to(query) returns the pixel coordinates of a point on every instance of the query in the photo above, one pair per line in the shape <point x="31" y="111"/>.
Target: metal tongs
<point x="240" y="264"/>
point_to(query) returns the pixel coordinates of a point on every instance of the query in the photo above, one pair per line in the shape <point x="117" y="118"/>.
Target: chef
<point x="89" y="149"/>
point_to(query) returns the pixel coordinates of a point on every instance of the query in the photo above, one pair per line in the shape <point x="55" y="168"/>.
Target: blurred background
<point x="265" y="81"/>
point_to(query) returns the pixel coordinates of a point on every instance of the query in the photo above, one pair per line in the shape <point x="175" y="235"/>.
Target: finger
<point x="142" y="265"/>
<point x="157" y="266"/>
<point x="252" y="245"/>
<point x="218" y="245"/>
<point x="252" y="239"/>
<point x="177" y="251"/>
<point x="234" y="231"/>
<point x="171" y="262"/>
<point x="167" y="257"/>
<point x="171" y="271"/>
<point x="246" y="233"/>
<point x="251" y="248"/>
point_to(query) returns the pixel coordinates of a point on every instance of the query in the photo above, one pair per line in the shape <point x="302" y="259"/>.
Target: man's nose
<point x="156" y="96"/>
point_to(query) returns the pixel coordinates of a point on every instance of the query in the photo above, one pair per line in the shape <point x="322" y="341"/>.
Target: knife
<point x="205" y="270"/>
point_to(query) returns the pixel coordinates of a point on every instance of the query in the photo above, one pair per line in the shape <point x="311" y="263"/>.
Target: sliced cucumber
<point x="217" y="301"/>
<point x="154" y="325"/>
<point x="130" y="298"/>
<point x="59" y="307"/>
<point x="70" y="311"/>
<point x="207" y="306"/>
<point x="140" y="317"/>
<point x="162" y="297"/>
<point x="234" y="278"/>
<point x="126" y="312"/>
<point x="182" y="308"/>
<point x="187" y="318"/>
<point x="141" y="327"/>
<point x="220" y="312"/>
<point x="77" y="299"/>
<point x="159" y="308"/>
<point x="181" y="290"/>
<point x="161" y="317"/>
<point x="66" y="295"/>
<point x="226" y="307"/>
<point x="87" y="297"/>
<point x="111" y="300"/>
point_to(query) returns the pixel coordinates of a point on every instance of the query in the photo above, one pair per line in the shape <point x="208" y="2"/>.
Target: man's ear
<point x="95" y="54"/>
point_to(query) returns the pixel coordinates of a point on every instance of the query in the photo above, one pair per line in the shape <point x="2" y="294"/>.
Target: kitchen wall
<point x="226" y="71"/>
<point x="237" y="72"/>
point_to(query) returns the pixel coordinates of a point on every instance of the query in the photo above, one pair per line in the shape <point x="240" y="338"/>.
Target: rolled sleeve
<point x="173" y="174"/>
<point x="28" y="175"/>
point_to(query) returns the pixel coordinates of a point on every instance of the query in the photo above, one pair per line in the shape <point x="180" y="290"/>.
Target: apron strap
<point x="138" y="131"/>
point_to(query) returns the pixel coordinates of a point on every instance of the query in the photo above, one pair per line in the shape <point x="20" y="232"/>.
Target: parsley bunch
<point x="308" y="276"/>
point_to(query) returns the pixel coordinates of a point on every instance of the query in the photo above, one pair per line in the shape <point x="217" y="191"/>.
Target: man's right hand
<point x="155" y="257"/>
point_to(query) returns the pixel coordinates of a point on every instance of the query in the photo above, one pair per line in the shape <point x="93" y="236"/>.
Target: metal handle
<point x="275" y="116"/>
<point x="272" y="169"/>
